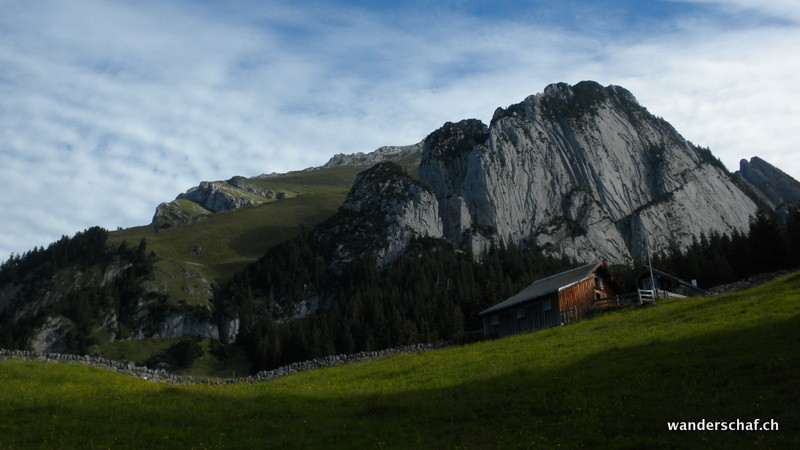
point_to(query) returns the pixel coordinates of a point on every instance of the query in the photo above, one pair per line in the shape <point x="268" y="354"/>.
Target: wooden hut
<point x="666" y="285"/>
<point x="550" y="301"/>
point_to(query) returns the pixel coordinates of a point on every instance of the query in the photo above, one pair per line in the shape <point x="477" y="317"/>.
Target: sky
<point x="111" y="107"/>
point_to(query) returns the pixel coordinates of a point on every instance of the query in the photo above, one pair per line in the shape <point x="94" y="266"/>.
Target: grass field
<point x="207" y="366"/>
<point x="612" y="381"/>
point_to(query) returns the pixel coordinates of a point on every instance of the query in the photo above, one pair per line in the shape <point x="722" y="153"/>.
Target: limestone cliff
<point x="382" y="154"/>
<point x="778" y="189"/>
<point x="382" y="213"/>
<point x="582" y="171"/>
<point x="217" y="196"/>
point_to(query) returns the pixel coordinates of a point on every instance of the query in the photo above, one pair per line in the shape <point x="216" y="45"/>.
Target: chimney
<point x="694" y="283"/>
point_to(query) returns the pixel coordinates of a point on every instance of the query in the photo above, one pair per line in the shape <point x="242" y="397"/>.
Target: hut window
<point x="547" y="305"/>
<point x="598" y="283"/>
<point x="520" y="314"/>
<point x="495" y="320"/>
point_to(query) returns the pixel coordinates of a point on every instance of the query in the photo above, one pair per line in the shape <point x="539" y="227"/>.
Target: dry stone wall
<point x="160" y="375"/>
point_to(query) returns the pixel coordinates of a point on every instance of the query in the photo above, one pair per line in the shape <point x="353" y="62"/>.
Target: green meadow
<point x="611" y="381"/>
<point x="219" y="245"/>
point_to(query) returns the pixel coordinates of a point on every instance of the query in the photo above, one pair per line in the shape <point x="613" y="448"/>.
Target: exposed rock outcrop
<point x="387" y="153"/>
<point x="50" y="336"/>
<point x="382" y="213"/>
<point x="778" y="189"/>
<point x="218" y="196"/>
<point x="179" y="210"/>
<point x="582" y="171"/>
<point x="180" y="323"/>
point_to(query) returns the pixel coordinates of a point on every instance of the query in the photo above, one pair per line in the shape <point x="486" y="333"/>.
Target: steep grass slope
<point x="613" y="381"/>
<point x="219" y="245"/>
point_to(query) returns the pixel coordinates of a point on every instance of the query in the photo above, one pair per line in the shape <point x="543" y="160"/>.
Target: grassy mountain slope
<point x="219" y="245"/>
<point x="611" y="381"/>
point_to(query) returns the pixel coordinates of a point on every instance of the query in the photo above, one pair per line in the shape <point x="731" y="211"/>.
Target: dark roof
<point x="646" y="273"/>
<point x="546" y="286"/>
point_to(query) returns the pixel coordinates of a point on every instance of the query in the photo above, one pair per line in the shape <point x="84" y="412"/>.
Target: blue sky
<point x="111" y="107"/>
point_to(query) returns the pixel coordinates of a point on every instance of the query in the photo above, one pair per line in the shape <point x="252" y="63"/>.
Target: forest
<point x="66" y="279"/>
<point x="433" y="292"/>
<point x="772" y="243"/>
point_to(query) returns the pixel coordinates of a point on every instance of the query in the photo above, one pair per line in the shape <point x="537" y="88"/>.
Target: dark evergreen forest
<point x="433" y="292"/>
<point x="84" y="298"/>
<point x="771" y="244"/>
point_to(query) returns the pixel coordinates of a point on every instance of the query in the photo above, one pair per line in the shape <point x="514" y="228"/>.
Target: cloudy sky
<point x="111" y="107"/>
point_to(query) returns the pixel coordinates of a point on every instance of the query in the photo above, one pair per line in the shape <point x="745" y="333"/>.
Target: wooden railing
<point x="647" y="296"/>
<point x="640" y="297"/>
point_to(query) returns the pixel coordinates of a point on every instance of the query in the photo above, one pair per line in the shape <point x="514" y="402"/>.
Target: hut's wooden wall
<point x="574" y="302"/>
<point x="531" y="316"/>
<point x="604" y="288"/>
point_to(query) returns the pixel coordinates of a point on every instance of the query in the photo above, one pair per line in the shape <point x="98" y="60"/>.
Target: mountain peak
<point x="780" y="189"/>
<point x="580" y="170"/>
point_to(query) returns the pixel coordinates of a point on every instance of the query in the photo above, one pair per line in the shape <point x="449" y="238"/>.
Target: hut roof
<point x="646" y="273"/>
<point x="540" y="288"/>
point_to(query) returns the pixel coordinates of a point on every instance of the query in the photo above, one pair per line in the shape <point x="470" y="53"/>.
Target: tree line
<point x="770" y="244"/>
<point x="66" y="280"/>
<point x="433" y="292"/>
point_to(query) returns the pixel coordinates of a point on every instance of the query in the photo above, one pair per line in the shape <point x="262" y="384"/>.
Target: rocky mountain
<point x="775" y="187"/>
<point x="80" y="293"/>
<point x="582" y="171"/>
<point x="579" y="171"/>
<point x="387" y="153"/>
<point x="218" y="196"/>
<point x="382" y="213"/>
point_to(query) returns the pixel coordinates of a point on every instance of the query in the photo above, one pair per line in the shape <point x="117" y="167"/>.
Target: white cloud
<point x="110" y="108"/>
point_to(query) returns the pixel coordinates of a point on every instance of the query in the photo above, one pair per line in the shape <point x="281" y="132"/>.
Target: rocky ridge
<point x="217" y="196"/>
<point x="775" y="187"/>
<point x="383" y="211"/>
<point x="582" y="171"/>
<point x="386" y="153"/>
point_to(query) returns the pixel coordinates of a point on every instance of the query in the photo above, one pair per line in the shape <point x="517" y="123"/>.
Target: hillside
<point x="611" y="381"/>
<point x="215" y="246"/>
<point x="287" y="267"/>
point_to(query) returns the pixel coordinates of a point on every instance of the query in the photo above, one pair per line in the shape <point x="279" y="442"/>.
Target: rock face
<point x="582" y="171"/>
<point x="49" y="337"/>
<point x="181" y="210"/>
<point x="178" y="324"/>
<point x="218" y="196"/>
<point x="33" y="310"/>
<point x="382" y="154"/>
<point x="382" y="213"/>
<point x="778" y="189"/>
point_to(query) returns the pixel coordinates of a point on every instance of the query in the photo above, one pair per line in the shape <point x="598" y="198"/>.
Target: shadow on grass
<point x="620" y="398"/>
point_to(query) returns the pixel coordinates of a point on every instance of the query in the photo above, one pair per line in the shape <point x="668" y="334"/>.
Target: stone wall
<point x="163" y="376"/>
<point x="747" y="283"/>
